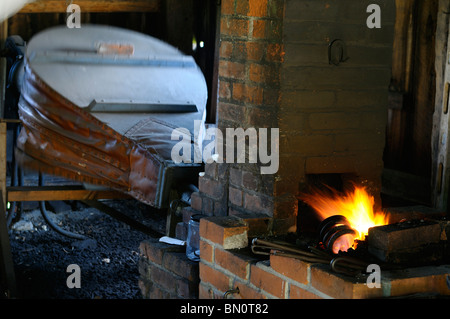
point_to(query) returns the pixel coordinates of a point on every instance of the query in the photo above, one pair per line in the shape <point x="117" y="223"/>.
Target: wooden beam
<point x="58" y="6"/>
<point x="49" y="193"/>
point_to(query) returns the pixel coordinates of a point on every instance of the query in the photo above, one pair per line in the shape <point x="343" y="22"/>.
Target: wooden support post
<point x="39" y="6"/>
<point x="8" y="277"/>
<point x="441" y="129"/>
<point x="54" y="193"/>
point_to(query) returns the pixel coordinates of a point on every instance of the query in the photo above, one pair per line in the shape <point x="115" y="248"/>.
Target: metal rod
<point x="282" y="247"/>
<point x="50" y="222"/>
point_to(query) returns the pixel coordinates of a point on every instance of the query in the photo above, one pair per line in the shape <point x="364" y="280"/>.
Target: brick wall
<point x="165" y="272"/>
<point x="333" y="118"/>
<point x="227" y="263"/>
<point x="274" y="72"/>
<point x="251" y="55"/>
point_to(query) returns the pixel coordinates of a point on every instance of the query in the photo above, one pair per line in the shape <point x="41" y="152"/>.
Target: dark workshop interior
<point x="95" y="204"/>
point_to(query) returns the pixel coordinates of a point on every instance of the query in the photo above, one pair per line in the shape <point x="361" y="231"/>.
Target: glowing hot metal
<point x="357" y="208"/>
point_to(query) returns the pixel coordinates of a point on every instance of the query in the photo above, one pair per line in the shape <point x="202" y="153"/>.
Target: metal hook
<point x="230" y="292"/>
<point x="339" y="56"/>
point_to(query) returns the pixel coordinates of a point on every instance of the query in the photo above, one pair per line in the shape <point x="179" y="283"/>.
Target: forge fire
<point x="355" y="211"/>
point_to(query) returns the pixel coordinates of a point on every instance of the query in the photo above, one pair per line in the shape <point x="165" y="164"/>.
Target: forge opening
<point x="307" y="218"/>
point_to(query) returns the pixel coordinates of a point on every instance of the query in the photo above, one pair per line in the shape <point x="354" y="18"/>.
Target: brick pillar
<point x="251" y="54"/>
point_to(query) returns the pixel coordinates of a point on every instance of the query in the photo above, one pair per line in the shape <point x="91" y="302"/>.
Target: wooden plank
<point x="41" y="6"/>
<point x="440" y="160"/>
<point x="49" y="193"/>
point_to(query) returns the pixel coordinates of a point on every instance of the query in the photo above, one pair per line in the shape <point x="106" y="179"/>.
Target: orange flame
<point x="356" y="206"/>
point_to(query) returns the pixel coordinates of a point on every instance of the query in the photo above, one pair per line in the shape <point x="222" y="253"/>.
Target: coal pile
<point x="108" y="259"/>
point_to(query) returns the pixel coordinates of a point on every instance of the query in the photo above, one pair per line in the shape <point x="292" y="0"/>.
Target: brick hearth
<point x="274" y="72"/>
<point x="222" y="269"/>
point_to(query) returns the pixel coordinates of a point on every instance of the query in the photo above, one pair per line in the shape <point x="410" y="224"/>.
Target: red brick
<point x="144" y="287"/>
<point x="259" y="29"/>
<point x="261" y="117"/>
<point x="207" y="206"/>
<point x="206" y="251"/>
<point x="224" y="90"/>
<point x="205" y="292"/>
<point x="257" y="8"/>
<point x="293" y="268"/>
<point x="242" y="7"/>
<point x="247" y="93"/>
<point x="250" y="181"/>
<point x="234" y="27"/>
<point x="255" y="50"/>
<point x="228" y="232"/>
<point x="266" y="281"/>
<point x="253" y="202"/>
<point x="220" y="208"/>
<point x="275" y="52"/>
<point x="246" y="292"/>
<point x="339" y="286"/>
<point x="258" y="224"/>
<point x="232" y="70"/>
<point x="238" y="265"/>
<point x="257" y="72"/>
<point x="180" y="265"/>
<point x="239" y="51"/>
<point x="154" y="251"/>
<point x="156" y="292"/>
<point x="163" y="279"/>
<point x="230" y="112"/>
<point x="430" y="279"/>
<point x="296" y="292"/>
<point x="267" y="29"/>
<point x="257" y="203"/>
<point x="214" y="277"/>
<point x="236" y="177"/>
<point x="187" y="212"/>
<point x="235" y="196"/>
<point x="227" y="7"/>
<point x="187" y="289"/>
<point x="196" y="201"/>
<point x="226" y="49"/>
<point x="213" y="188"/>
